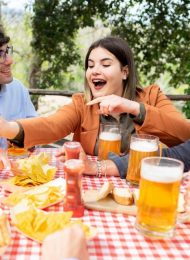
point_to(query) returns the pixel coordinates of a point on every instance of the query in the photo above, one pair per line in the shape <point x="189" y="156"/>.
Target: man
<point x="15" y="102"/>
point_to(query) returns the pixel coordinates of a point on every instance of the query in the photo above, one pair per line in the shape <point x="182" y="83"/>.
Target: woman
<point x="110" y="70"/>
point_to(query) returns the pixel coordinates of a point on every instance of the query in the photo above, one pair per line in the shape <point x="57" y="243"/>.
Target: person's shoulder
<point x="154" y="88"/>
<point x="151" y="91"/>
<point x="15" y="83"/>
<point x="78" y="97"/>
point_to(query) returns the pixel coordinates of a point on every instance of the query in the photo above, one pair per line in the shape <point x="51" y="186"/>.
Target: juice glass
<point x="73" y="170"/>
<point x="72" y="150"/>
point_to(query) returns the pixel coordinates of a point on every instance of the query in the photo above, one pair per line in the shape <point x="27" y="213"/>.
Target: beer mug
<point x="141" y="146"/>
<point x="158" y="198"/>
<point x="109" y="140"/>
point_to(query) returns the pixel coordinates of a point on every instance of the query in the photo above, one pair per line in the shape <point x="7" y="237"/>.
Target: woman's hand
<point x="90" y="166"/>
<point x="113" y="104"/>
<point x="61" y="155"/>
<point x="8" y="129"/>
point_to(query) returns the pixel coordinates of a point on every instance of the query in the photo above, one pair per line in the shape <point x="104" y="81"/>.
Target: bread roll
<point x="106" y="188"/>
<point x="123" y="196"/>
<point x="136" y="195"/>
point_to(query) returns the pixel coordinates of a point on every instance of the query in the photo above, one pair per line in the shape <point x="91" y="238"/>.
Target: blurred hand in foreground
<point x="67" y="243"/>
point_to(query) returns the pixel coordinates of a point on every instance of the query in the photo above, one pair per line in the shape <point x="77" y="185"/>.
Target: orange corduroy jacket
<point x="162" y="119"/>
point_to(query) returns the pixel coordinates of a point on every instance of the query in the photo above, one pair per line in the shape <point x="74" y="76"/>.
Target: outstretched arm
<point x="8" y="129"/>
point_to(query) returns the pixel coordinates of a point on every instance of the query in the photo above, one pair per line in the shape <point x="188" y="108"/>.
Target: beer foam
<point x="162" y="174"/>
<point x="144" y="146"/>
<point x="107" y="136"/>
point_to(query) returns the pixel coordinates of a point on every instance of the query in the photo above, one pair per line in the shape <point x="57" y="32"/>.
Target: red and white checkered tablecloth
<point x="116" y="239"/>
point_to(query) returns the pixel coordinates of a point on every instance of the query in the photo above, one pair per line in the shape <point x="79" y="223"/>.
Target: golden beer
<point x="138" y="151"/>
<point x="108" y="142"/>
<point x="16" y="151"/>
<point x="158" y="199"/>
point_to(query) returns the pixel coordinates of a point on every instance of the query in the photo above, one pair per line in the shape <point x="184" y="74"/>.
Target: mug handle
<point x="160" y="147"/>
<point x="185" y="216"/>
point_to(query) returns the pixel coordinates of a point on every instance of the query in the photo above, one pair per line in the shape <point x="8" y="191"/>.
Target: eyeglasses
<point x="3" y="54"/>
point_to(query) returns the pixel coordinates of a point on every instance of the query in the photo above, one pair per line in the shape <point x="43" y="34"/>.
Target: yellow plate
<point x="39" y="189"/>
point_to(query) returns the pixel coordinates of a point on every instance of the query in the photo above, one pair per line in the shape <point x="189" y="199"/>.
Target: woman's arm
<point x="162" y="118"/>
<point x="104" y="168"/>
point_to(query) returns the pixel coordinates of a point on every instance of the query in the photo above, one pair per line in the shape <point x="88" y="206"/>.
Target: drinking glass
<point x="158" y="198"/>
<point x="141" y="146"/>
<point x="109" y="140"/>
<point x="4" y="162"/>
<point x="72" y="150"/>
<point x="17" y="152"/>
<point x="73" y="170"/>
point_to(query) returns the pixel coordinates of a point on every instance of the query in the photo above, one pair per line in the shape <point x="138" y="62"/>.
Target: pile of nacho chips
<point x="44" y="197"/>
<point x="37" y="224"/>
<point x="34" y="170"/>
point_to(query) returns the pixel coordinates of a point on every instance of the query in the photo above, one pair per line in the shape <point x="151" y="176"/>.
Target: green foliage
<point x="55" y="25"/>
<point x="159" y="34"/>
<point x="186" y="108"/>
<point x="157" y="31"/>
<point x="19" y="29"/>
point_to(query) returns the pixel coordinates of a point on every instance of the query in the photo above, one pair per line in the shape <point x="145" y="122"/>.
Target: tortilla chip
<point x="44" y="197"/>
<point x="38" y="224"/>
<point x="34" y="171"/>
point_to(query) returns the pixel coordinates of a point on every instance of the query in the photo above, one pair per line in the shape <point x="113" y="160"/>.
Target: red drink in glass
<point x="73" y="199"/>
<point x="72" y="150"/>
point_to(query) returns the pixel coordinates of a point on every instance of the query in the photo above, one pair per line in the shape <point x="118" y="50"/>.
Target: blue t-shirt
<point x="15" y="102"/>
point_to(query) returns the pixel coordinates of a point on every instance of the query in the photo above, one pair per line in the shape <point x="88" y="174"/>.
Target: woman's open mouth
<point x="98" y="83"/>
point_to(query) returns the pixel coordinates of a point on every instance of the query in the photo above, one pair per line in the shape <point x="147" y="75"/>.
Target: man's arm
<point x="180" y="152"/>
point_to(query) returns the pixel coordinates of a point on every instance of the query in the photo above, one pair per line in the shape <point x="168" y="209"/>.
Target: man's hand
<point x="67" y="243"/>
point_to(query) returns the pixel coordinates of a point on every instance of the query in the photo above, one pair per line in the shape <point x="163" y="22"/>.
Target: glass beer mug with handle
<point x="141" y="146"/>
<point x="158" y="198"/>
<point x="109" y="140"/>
